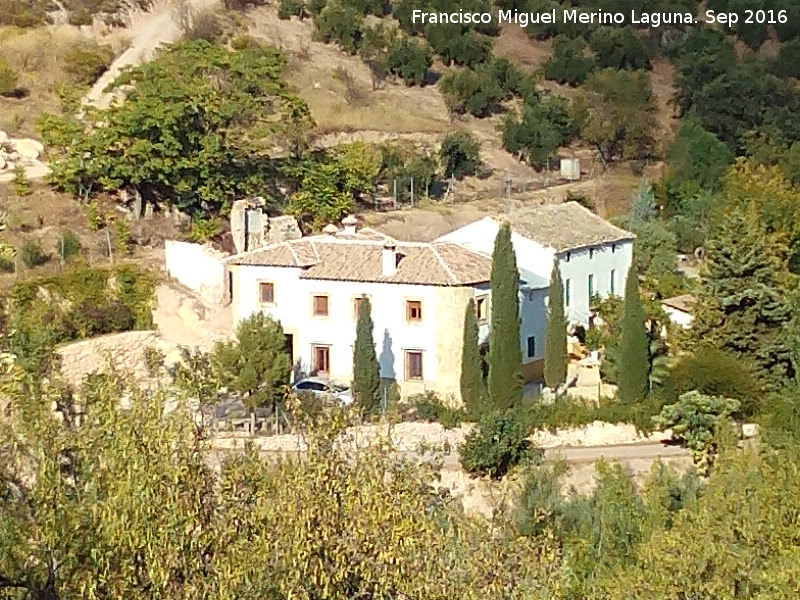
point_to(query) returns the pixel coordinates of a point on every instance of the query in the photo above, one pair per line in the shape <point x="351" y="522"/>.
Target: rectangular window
<point x="591" y="253"/>
<point x="413" y="310"/>
<point x="612" y="284"/>
<point x="357" y="305"/>
<point x="482" y="309"/>
<point x="613" y="248"/>
<point x="531" y="346"/>
<point x="266" y="292"/>
<point x="413" y="364"/>
<point x="568" y="256"/>
<point x="566" y="292"/>
<point x="591" y="285"/>
<point x="321" y="358"/>
<point x="320" y="306"/>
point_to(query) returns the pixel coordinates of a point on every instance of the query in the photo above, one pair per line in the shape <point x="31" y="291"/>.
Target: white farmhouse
<point x="418" y="293"/>
<point x="593" y="255"/>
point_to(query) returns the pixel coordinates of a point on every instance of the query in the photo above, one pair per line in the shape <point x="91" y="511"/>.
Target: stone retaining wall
<point x="124" y="351"/>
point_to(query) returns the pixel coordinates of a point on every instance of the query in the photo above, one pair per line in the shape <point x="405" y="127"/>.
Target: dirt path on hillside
<point x="148" y="31"/>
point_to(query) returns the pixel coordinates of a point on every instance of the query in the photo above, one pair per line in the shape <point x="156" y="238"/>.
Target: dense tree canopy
<point x="617" y="114"/>
<point x="121" y="503"/>
<point x="742" y="307"/>
<point x="195" y="128"/>
<point x="255" y="365"/>
<point x="539" y="131"/>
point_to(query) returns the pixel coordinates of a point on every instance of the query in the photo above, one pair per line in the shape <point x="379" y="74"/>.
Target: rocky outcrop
<point x="22" y="152"/>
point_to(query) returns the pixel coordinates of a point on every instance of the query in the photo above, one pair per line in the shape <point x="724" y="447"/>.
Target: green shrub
<point x="429" y="407"/>
<point x="85" y="62"/>
<point x="410" y="60"/>
<point x="594" y="339"/>
<point x="204" y="228"/>
<point x="460" y="154"/>
<point x="339" y="24"/>
<point x="476" y="92"/>
<point x="574" y="412"/>
<point x="8" y="78"/>
<point x="33" y="254"/>
<point x="27" y="18"/>
<point x="291" y="8"/>
<point x="569" y="65"/>
<point x="241" y="42"/>
<point x="79" y="16"/>
<point x="154" y="360"/>
<point x="619" y="48"/>
<point x="68" y="245"/>
<point x="467" y="48"/>
<point x="696" y="420"/>
<point x="91" y="319"/>
<point x="714" y="372"/>
<point x="781" y="421"/>
<point x="21" y="183"/>
<point x="498" y="443"/>
<point x="538" y="132"/>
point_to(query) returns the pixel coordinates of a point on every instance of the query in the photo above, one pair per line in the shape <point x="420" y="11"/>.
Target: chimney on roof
<point x="330" y="229"/>
<point x="389" y="259"/>
<point x="350" y="223"/>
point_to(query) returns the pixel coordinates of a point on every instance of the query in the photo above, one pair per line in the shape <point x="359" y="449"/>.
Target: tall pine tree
<point x="634" y="345"/>
<point x="471" y="370"/>
<point x="555" y="340"/>
<point x="743" y="304"/>
<point x="505" y="355"/>
<point x="366" y="370"/>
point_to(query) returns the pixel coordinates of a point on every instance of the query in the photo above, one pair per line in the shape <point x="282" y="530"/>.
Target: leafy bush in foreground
<point x="496" y="445"/>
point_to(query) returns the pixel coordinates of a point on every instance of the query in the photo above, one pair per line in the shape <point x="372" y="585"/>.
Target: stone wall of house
<point x="124" y="351"/>
<point x="198" y="267"/>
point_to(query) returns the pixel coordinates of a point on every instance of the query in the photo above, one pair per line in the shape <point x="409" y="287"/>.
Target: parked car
<point x="324" y="387"/>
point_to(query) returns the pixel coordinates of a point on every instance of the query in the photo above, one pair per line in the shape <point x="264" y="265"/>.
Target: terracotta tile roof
<point x="565" y="226"/>
<point x="684" y="303"/>
<point x="359" y="257"/>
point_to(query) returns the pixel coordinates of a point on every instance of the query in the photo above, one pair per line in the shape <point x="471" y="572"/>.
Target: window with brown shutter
<point x="357" y="305"/>
<point x="413" y="364"/>
<point x="321" y="357"/>
<point x="266" y="292"/>
<point x="321" y="306"/>
<point x="413" y="310"/>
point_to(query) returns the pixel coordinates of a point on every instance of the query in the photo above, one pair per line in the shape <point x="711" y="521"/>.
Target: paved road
<point x="574" y="455"/>
<point x="648" y="451"/>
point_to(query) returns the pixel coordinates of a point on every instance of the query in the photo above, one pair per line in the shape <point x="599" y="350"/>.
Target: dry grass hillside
<point x="338" y="88"/>
<point x="39" y="57"/>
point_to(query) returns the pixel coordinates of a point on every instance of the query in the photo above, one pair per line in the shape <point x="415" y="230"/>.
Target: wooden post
<point x="394" y="192"/>
<point x="412" y="191"/>
<point x="108" y="242"/>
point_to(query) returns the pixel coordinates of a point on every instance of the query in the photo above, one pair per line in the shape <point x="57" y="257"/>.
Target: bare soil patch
<point x="513" y="43"/>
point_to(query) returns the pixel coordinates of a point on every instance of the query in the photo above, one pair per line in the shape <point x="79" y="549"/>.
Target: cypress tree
<point x="634" y="347"/>
<point x="555" y="340"/>
<point x="366" y="371"/>
<point x="471" y="372"/>
<point x="505" y="355"/>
